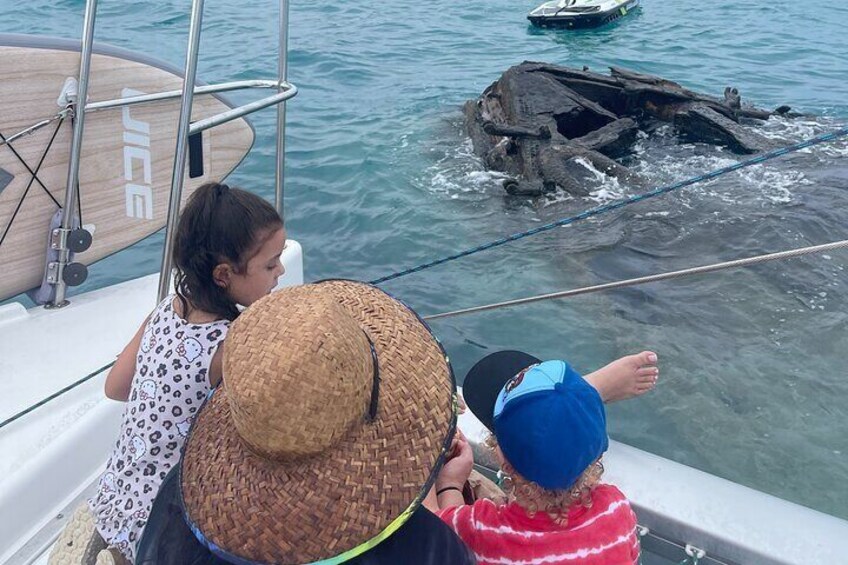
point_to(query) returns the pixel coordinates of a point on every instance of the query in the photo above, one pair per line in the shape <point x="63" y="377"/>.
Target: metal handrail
<point x="285" y="91"/>
<point x="72" y="186"/>
<point x="79" y="108"/>
<point x="171" y="94"/>
<point x="180" y="153"/>
<point x="279" y="169"/>
<point x="244" y="110"/>
<point x="154" y="97"/>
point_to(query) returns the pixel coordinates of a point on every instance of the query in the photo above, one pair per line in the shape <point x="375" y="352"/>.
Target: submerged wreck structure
<point x="547" y="126"/>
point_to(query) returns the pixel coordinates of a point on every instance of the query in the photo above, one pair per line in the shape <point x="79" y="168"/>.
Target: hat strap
<point x="375" y="384"/>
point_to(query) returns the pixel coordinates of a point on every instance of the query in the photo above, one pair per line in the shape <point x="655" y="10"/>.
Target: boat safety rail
<point x="181" y="149"/>
<point x="286" y="91"/>
<point x="75" y="94"/>
<point x="598" y="210"/>
<point x="55" y="395"/>
<point x="747" y="262"/>
<point x="198" y="91"/>
<point x="244" y="110"/>
<point x="72" y="200"/>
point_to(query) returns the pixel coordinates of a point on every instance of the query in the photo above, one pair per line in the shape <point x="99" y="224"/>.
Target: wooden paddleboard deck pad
<point x="126" y="159"/>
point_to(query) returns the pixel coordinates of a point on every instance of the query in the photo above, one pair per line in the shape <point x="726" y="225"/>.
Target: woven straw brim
<point x="310" y="509"/>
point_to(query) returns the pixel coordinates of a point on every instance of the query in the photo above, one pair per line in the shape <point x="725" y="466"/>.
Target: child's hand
<point x="461" y="405"/>
<point x="459" y="464"/>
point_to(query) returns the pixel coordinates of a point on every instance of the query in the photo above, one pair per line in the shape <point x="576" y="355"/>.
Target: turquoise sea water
<point x="380" y="176"/>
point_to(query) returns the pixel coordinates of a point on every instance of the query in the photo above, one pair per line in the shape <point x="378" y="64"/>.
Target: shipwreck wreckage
<point x="546" y="126"/>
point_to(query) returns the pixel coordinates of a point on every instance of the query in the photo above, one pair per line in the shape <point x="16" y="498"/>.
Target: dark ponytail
<point x="219" y="224"/>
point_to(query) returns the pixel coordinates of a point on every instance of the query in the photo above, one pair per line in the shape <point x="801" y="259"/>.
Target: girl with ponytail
<point x="227" y="255"/>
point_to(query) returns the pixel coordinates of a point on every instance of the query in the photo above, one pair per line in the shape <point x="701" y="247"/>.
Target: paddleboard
<point x="127" y="153"/>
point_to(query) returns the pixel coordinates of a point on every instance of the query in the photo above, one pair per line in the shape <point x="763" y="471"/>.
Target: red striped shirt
<point x="603" y="534"/>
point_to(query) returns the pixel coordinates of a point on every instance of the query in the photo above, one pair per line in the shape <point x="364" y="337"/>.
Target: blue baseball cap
<point x="549" y="422"/>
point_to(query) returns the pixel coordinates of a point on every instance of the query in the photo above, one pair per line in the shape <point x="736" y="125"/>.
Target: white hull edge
<point x="58" y="452"/>
<point x="54" y="453"/>
<point x="727" y="520"/>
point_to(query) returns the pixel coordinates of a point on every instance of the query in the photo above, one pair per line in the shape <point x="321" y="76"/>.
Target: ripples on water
<point x="380" y="176"/>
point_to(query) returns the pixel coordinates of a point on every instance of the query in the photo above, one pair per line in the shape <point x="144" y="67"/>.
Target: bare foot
<point x="629" y="376"/>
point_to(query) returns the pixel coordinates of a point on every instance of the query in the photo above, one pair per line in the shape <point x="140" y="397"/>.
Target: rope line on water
<point x="55" y="395"/>
<point x="824" y="138"/>
<point x="747" y="262"/>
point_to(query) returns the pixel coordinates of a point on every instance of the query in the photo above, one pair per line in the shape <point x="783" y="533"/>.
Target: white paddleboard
<point x="127" y="153"/>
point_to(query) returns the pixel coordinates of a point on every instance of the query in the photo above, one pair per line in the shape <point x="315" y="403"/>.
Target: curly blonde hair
<point x="535" y="498"/>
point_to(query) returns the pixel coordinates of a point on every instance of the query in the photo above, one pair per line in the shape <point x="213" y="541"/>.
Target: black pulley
<point x="74" y="274"/>
<point x="79" y="240"/>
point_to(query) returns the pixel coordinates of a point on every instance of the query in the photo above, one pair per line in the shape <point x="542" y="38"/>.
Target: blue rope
<point x="824" y="138"/>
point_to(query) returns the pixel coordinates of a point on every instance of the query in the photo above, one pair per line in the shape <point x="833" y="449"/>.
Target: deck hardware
<point x="695" y="553"/>
<point x="69" y="93"/>
<point x="52" y="272"/>
<point x="58" y="238"/>
<point x="79" y="240"/>
<point x="69" y="210"/>
<point x="74" y="274"/>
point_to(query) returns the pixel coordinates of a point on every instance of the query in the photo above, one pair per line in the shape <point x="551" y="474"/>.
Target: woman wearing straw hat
<point x="337" y="409"/>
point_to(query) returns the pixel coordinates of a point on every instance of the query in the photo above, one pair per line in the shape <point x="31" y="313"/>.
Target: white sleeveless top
<point x="171" y="382"/>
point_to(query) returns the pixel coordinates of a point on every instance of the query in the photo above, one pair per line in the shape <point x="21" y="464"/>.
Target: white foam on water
<point x="460" y="172"/>
<point x="767" y="183"/>
<point x="608" y="188"/>
<point x="556" y="198"/>
<point x="661" y="160"/>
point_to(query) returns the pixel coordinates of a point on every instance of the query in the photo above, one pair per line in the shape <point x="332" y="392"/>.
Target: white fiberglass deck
<point x="731" y="522"/>
<point x="53" y="453"/>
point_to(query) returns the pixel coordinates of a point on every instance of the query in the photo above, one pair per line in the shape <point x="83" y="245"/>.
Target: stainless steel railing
<point x="79" y="108"/>
<point x="72" y="186"/>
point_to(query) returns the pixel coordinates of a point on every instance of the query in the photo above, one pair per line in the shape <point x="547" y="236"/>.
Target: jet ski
<point x="575" y="14"/>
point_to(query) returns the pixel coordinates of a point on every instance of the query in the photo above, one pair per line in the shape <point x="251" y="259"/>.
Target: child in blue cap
<point x="548" y="429"/>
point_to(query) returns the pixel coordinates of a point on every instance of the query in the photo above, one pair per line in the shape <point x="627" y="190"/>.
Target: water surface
<point x="380" y="176"/>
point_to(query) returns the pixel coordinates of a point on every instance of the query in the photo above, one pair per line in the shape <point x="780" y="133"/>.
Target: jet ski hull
<point x="570" y="20"/>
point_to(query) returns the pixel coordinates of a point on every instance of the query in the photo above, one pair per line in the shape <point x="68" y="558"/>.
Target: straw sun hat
<point x="336" y="410"/>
